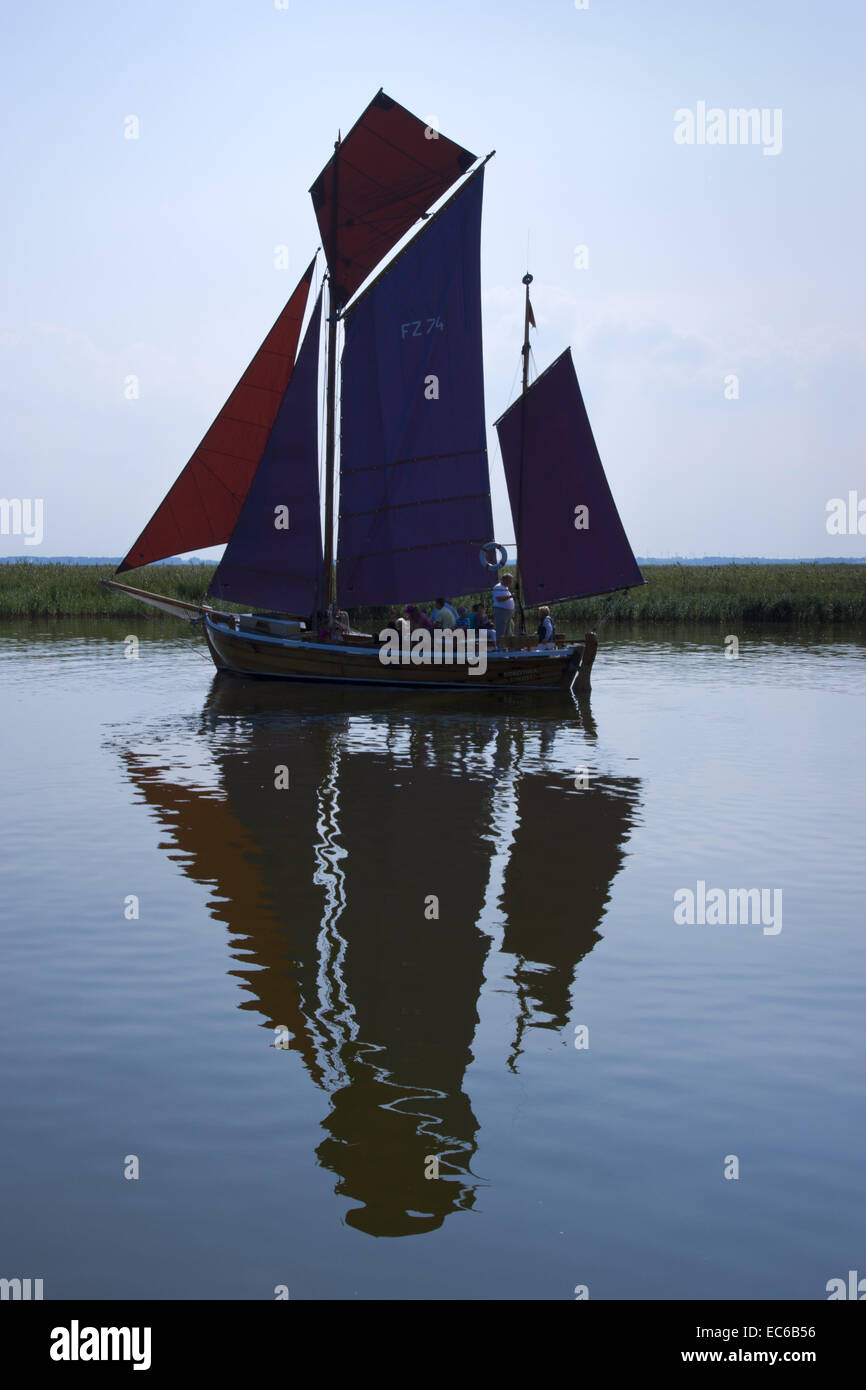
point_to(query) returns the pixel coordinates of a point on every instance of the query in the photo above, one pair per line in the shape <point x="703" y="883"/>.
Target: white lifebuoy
<point x="495" y="564"/>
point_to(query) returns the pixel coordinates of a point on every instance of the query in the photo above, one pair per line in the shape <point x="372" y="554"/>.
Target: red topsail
<point x="202" y="506"/>
<point x="391" y="168"/>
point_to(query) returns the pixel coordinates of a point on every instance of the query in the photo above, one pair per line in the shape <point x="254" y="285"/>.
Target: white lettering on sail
<point x="420" y="328"/>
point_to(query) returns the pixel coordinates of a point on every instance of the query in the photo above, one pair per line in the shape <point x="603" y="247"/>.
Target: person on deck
<point x="443" y="614"/>
<point x="463" y="619"/>
<point x="418" y="618"/>
<point x="503" y="607"/>
<point x="546" y="628"/>
<point x="334" y="626"/>
<point x="479" y="622"/>
<point x="402" y="628"/>
<point x="331" y="631"/>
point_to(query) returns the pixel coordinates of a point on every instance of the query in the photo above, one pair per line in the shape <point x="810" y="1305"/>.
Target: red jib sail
<point x="202" y="506"/>
<point x="389" y="170"/>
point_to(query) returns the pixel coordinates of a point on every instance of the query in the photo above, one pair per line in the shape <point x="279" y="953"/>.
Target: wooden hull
<point x="248" y="654"/>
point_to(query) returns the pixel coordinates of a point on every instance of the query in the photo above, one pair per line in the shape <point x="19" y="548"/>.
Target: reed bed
<point x="800" y="594"/>
<point x="712" y="593"/>
<point x="75" y="591"/>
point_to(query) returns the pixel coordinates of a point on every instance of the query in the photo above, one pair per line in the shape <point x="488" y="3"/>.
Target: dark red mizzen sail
<point x="390" y="169"/>
<point x="546" y="436"/>
<point x="202" y="506"/>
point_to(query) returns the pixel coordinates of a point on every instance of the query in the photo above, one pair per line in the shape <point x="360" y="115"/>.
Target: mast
<point x="328" y="586"/>
<point x="527" y="281"/>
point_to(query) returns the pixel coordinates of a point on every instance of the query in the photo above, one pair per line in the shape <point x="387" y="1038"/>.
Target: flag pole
<point x="528" y="318"/>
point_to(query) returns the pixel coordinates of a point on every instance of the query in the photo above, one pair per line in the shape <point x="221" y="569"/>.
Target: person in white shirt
<point x="503" y="607"/>
<point x="402" y="626"/>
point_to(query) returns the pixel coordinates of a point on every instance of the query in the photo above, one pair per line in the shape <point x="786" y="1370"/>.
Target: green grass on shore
<point x="75" y="591"/>
<point x="673" y="593"/>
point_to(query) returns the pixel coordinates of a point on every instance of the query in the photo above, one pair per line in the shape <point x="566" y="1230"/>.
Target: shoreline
<point x="801" y="594"/>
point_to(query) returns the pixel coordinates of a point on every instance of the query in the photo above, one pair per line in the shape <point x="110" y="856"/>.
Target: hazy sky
<point x="155" y="256"/>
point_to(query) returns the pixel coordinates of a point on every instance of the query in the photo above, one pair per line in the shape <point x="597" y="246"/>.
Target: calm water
<point x="308" y="915"/>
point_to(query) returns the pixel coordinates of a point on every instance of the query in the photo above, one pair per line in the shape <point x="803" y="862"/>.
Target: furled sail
<point x="389" y="170"/>
<point x="414" y="484"/>
<point x="274" y="556"/>
<point x="570" y="540"/>
<point x="202" y="506"/>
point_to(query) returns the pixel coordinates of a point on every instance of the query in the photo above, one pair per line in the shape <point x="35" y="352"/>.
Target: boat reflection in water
<point x="365" y="900"/>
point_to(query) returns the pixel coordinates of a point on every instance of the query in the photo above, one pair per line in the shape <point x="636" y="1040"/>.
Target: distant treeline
<point x="771" y="593"/>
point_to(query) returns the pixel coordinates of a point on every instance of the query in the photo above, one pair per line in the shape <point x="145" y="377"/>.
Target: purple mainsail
<point x="570" y="540"/>
<point x="274" y="557"/>
<point x="414" y="485"/>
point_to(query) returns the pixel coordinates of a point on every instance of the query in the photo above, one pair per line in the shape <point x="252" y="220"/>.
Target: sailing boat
<point x="408" y="441"/>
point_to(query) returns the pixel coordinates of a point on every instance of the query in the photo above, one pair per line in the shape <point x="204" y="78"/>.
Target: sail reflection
<point x="365" y="899"/>
<point x="567" y="850"/>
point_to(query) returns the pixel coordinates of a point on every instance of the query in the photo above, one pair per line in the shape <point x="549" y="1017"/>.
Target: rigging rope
<point x="613" y="602"/>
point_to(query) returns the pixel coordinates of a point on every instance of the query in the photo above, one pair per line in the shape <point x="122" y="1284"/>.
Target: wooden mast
<point x="527" y="281"/>
<point x="328" y="584"/>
